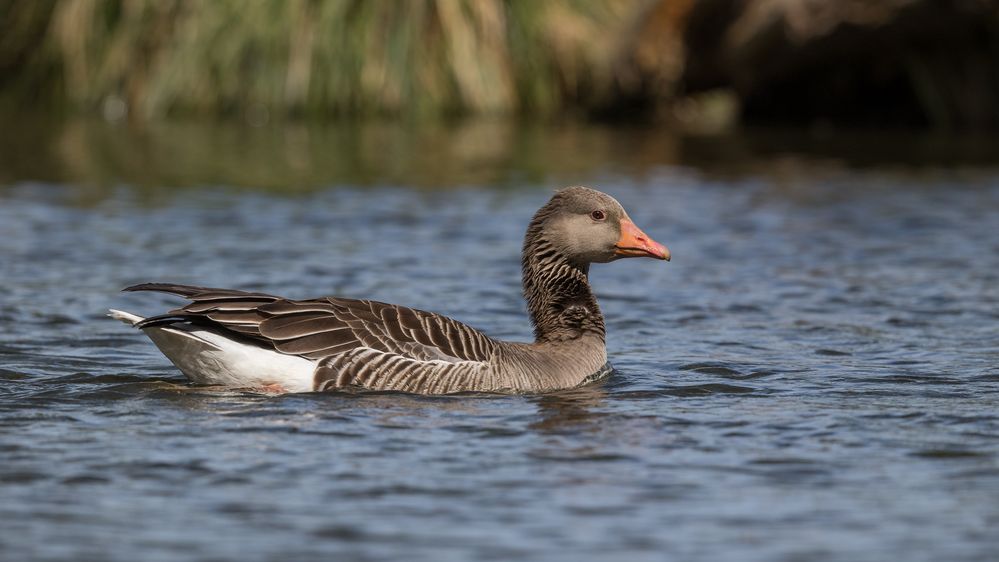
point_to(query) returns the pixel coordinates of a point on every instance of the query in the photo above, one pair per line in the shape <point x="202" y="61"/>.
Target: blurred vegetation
<point x="345" y="57"/>
<point x="699" y="64"/>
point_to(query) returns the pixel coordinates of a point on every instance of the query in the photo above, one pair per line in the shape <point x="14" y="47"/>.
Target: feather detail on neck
<point x="559" y="299"/>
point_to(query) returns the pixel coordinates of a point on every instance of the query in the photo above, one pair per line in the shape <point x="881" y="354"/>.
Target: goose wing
<point x="375" y="344"/>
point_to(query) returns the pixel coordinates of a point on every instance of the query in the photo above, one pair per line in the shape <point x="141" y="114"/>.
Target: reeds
<point x="263" y="58"/>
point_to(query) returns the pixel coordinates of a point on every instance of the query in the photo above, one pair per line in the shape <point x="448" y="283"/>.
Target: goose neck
<point x="558" y="294"/>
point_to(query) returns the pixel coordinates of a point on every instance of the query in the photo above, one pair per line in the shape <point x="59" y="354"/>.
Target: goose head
<point x="588" y="226"/>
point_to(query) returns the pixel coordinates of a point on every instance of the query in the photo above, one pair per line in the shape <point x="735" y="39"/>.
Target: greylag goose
<point x="255" y="340"/>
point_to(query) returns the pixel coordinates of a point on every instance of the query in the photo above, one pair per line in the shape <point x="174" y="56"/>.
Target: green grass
<point x="272" y="58"/>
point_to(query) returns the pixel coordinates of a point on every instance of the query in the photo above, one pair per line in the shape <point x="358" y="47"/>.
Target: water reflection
<point x="297" y="157"/>
<point x="576" y="410"/>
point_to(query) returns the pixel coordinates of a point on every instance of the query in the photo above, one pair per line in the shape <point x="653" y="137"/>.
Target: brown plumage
<point x="374" y="345"/>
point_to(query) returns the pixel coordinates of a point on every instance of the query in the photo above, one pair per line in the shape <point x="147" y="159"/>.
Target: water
<point x="815" y="376"/>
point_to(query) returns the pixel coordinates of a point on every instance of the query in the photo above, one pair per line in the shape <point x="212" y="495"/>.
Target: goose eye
<point x="598" y="215"/>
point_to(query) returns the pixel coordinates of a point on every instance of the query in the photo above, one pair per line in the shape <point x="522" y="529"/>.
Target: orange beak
<point x="636" y="244"/>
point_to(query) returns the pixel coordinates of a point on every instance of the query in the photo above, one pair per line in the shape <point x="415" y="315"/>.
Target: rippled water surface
<point x="815" y="376"/>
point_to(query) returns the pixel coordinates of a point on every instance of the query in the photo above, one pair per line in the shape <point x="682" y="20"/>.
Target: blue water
<point x="815" y="376"/>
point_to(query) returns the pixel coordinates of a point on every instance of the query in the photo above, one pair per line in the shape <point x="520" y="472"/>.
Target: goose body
<point x="256" y="340"/>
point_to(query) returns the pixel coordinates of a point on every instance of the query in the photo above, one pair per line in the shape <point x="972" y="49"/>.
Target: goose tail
<point x="209" y="356"/>
<point x="126" y="317"/>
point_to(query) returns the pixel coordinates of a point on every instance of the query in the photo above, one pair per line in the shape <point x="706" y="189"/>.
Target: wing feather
<point x="285" y="306"/>
<point x="225" y="304"/>
<point x="309" y="345"/>
<point x="301" y="325"/>
<point x="236" y="317"/>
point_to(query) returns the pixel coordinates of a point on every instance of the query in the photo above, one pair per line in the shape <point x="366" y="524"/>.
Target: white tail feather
<point x="209" y="357"/>
<point x="126" y="317"/>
